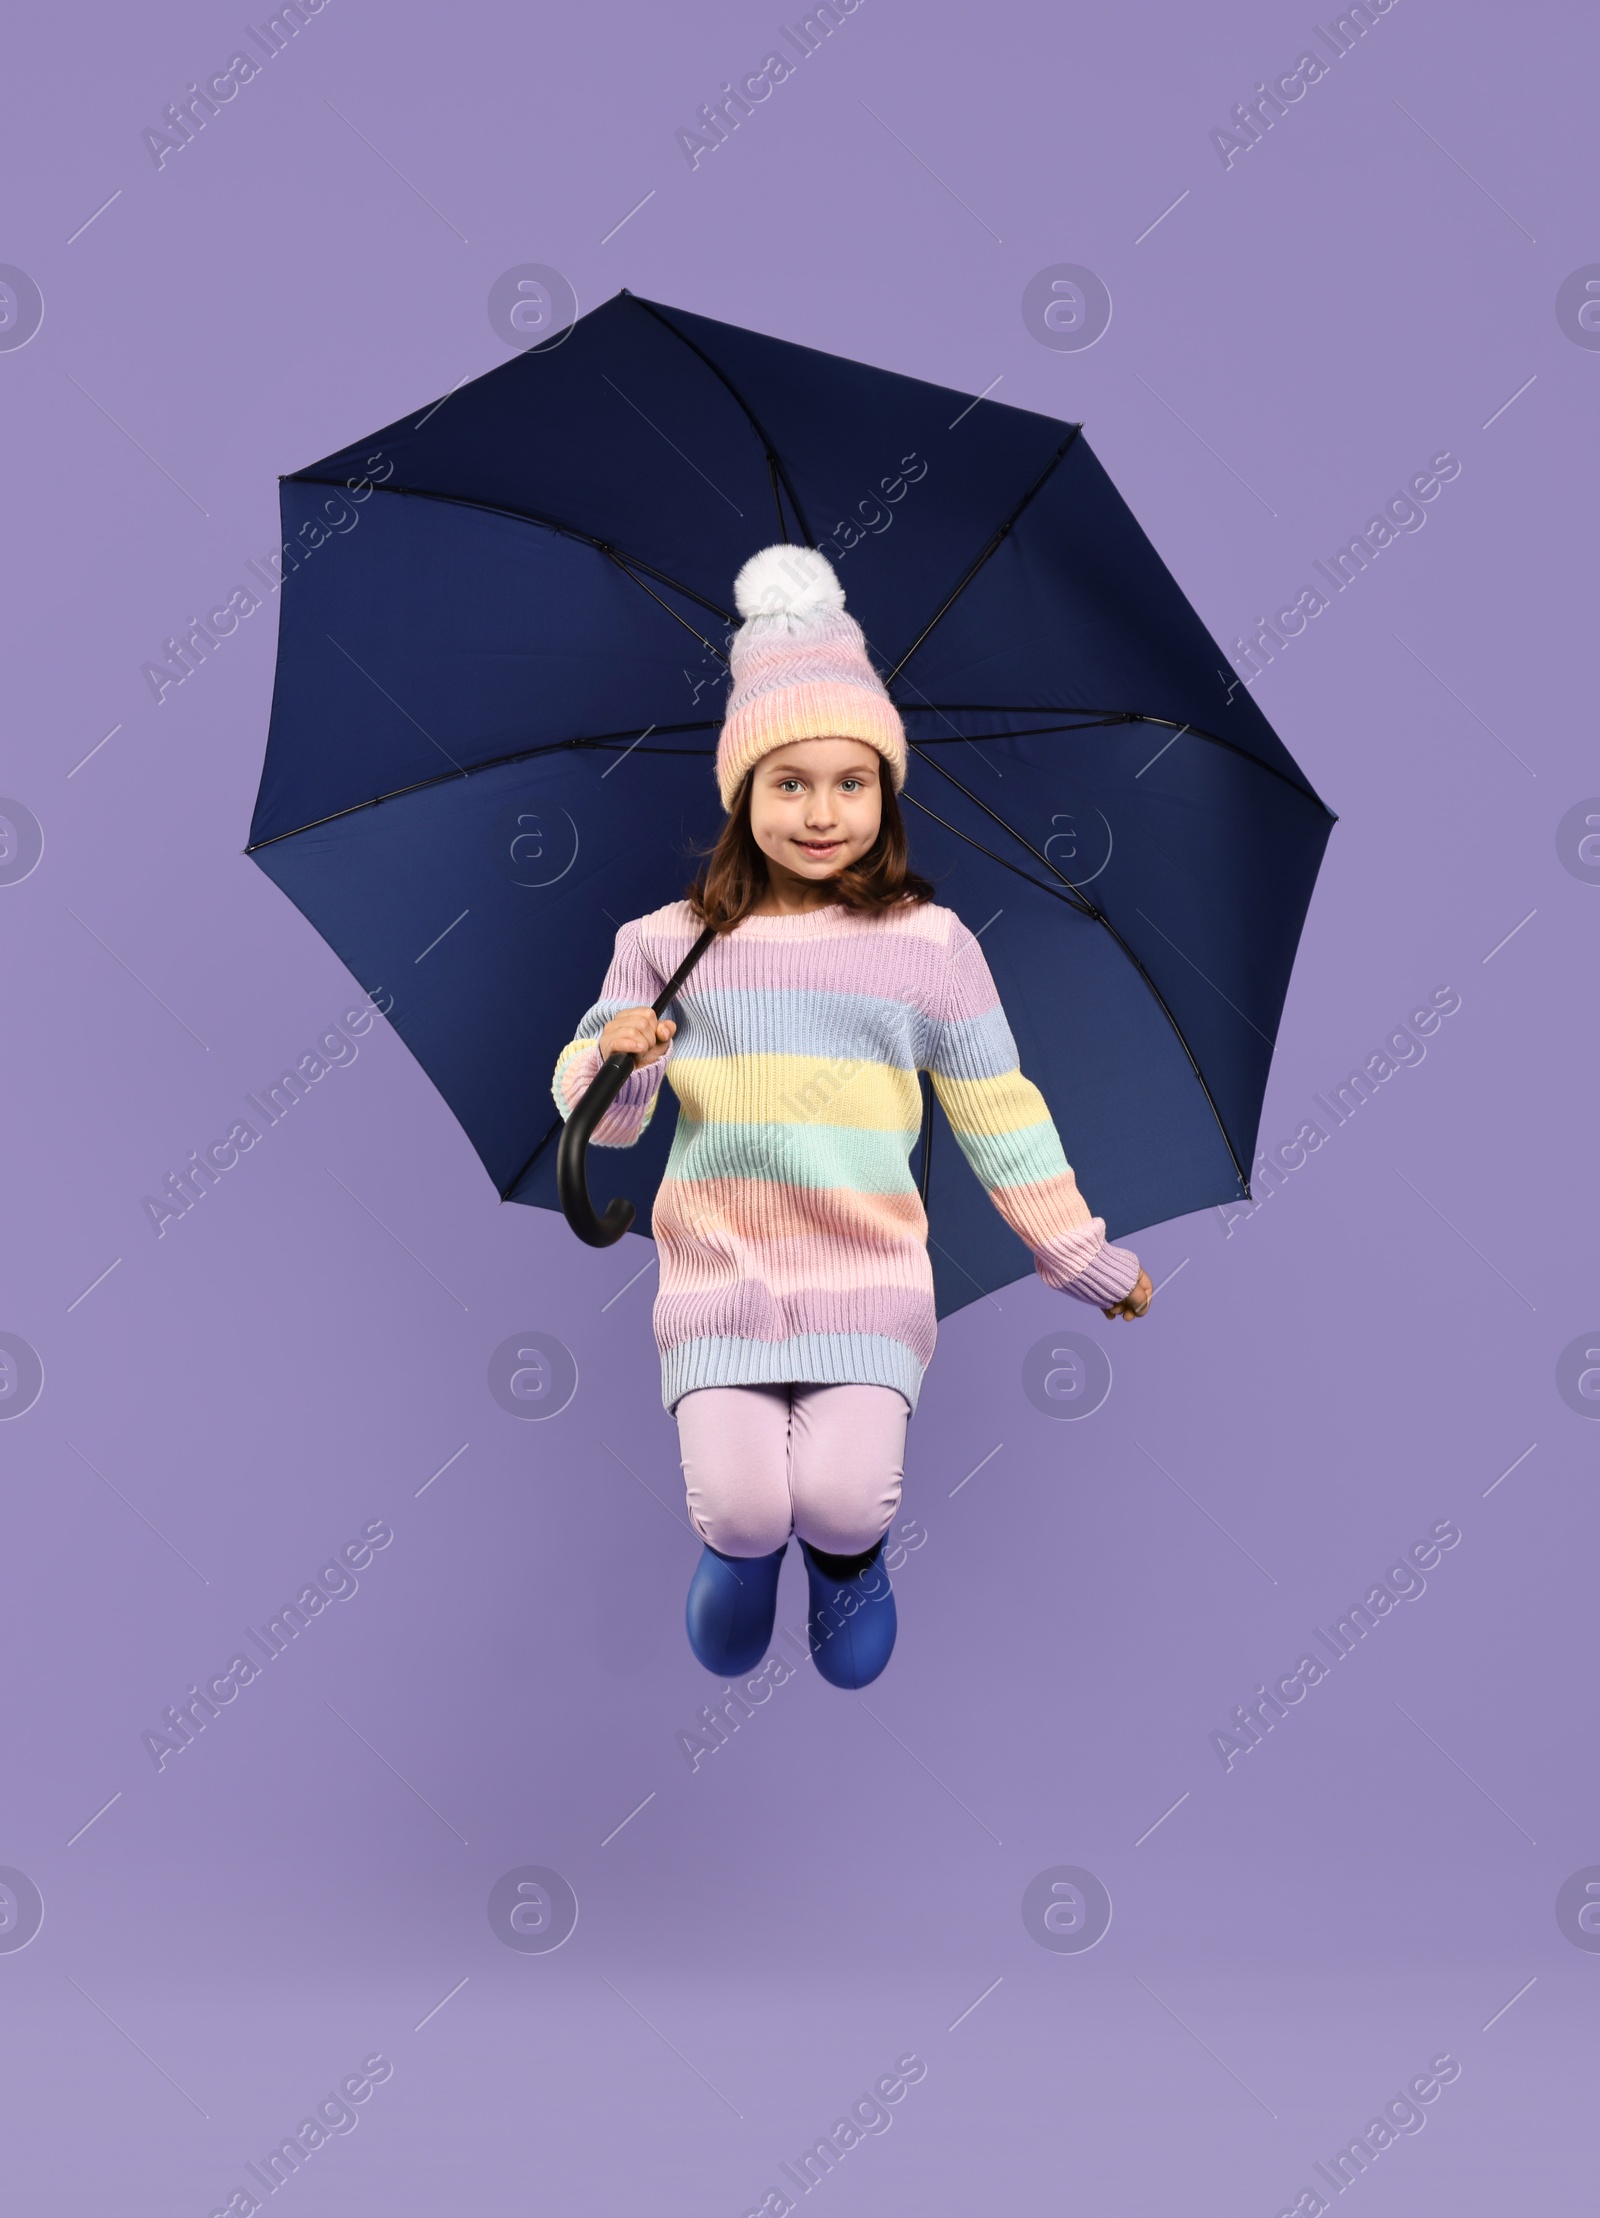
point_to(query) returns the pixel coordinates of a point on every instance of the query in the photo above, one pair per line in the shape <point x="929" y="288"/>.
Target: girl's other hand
<point x="639" y="1032"/>
<point x="1136" y="1303"/>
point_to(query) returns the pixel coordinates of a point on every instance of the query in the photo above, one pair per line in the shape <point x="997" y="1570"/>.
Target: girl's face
<point x="815" y="806"/>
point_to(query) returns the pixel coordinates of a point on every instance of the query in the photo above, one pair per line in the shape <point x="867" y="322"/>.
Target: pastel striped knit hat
<point x="800" y="669"/>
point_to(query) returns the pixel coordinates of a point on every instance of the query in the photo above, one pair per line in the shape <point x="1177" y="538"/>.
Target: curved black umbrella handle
<point x="572" y="1182"/>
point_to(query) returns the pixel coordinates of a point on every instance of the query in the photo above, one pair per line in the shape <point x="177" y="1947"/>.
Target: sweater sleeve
<point x="1007" y="1135"/>
<point x="632" y="982"/>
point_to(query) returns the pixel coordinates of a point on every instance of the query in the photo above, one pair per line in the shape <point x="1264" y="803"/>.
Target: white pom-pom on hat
<point x="787" y="581"/>
<point x="800" y="669"/>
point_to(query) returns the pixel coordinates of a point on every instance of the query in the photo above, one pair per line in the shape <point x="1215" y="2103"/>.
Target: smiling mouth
<point x="818" y="848"/>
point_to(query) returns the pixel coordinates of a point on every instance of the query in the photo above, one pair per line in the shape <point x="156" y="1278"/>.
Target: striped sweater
<point x="792" y="1237"/>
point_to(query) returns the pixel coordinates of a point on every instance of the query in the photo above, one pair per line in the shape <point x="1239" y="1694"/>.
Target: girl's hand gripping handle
<point x="634" y="1037"/>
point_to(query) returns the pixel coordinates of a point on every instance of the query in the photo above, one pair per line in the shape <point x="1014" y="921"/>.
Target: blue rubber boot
<point x="732" y="1602"/>
<point x="853" y="1623"/>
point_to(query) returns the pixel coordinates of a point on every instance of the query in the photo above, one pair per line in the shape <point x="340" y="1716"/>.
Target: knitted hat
<point x="800" y="669"/>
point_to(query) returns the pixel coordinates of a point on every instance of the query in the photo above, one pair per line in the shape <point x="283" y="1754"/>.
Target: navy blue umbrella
<point x="501" y="669"/>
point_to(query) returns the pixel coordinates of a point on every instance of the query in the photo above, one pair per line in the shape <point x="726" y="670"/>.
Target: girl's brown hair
<point x="735" y="876"/>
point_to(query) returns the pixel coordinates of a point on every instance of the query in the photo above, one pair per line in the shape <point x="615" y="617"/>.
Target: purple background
<point x="1318" y="1385"/>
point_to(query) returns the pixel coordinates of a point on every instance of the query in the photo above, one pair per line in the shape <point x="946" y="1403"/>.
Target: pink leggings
<point x="760" y="1462"/>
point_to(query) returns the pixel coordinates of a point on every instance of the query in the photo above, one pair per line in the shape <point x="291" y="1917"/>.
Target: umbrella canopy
<point x="501" y="671"/>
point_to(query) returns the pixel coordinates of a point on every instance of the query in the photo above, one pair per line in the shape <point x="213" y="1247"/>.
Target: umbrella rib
<point x="1093" y="720"/>
<point x="1098" y="916"/>
<point x="495" y="762"/>
<point x="774" y="465"/>
<point x="602" y="739"/>
<point x="672" y="612"/>
<point x="1082" y="907"/>
<point x="507" y="1191"/>
<point x="546" y="523"/>
<point x="994" y="817"/>
<point x="1092" y="907"/>
<point x="956" y="593"/>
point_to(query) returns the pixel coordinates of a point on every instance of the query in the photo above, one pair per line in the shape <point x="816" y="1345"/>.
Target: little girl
<point x="795" y="1315"/>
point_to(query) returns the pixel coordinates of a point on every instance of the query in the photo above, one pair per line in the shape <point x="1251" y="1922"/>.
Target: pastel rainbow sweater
<point x="793" y="1240"/>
